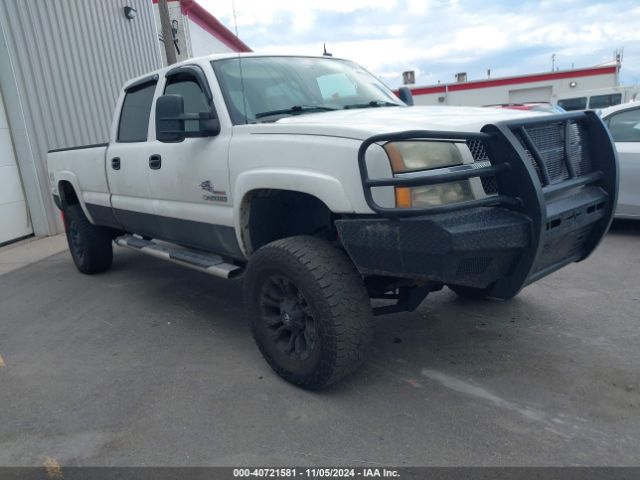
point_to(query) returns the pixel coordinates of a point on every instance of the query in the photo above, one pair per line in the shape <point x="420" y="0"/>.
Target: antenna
<point x="244" y="97"/>
<point x="235" y="19"/>
<point x="325" y="53"/>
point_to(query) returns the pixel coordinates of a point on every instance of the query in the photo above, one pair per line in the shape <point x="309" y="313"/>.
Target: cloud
<point x="438" y="38"/>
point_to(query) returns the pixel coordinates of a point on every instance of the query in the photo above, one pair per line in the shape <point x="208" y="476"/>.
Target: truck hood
<point x="365" y="122"/>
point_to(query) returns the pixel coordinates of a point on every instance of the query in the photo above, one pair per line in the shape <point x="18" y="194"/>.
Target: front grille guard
<point x="522" y="185"/>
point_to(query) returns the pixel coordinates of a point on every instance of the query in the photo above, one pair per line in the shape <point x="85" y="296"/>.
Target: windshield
<point x="272" y="87"/>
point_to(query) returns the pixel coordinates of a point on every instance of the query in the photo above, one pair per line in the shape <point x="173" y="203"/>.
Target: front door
<point x="190" y="186"/>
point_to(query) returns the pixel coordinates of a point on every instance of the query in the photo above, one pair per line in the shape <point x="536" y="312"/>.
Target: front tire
<point x="90" y="246"/>
<point x="309" y="311"/>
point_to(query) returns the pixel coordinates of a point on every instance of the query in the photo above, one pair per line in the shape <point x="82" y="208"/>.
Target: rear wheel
<point x="309" y="311"/>
<point x="90" y="245"/>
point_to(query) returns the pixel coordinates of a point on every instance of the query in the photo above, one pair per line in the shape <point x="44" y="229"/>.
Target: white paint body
<point x="314" y="154"/>
<point x="629" y="158"/>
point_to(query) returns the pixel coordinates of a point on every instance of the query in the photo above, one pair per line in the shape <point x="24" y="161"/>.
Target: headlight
<point x="421" y="155"/>
<point x="433" y="195"/>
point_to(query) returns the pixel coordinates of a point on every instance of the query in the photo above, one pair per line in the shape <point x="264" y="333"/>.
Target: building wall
<point x="504" y="93"/>
<point x="175" y="14"/>
<point x="204" y="43"/>
<point x="194" y="39"/>
<point x="62" y="65"/>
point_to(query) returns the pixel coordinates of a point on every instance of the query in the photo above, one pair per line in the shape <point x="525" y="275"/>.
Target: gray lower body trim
<point x="219" y="239"/>
<point x="103" y="216"/>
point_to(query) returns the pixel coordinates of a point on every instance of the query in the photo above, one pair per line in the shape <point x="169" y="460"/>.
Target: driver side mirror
<point x="209" y="125"/>
<point x="170" y="120"/>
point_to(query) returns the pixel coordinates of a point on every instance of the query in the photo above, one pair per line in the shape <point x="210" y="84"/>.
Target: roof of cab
<point x="212" y="57"/>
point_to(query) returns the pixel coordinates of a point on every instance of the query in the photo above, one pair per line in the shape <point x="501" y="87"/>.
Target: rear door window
<point x="134" y="116"/>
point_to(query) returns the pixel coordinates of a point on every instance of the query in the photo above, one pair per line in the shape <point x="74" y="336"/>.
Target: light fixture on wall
<point x="130" y="12"/>
<point x="174" y="33"/>
<point x="573" y="84"/>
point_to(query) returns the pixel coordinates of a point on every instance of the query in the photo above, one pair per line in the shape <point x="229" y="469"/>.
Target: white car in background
<point x="623" y="122"/>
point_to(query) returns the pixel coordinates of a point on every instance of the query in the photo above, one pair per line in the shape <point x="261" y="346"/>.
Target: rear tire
<point x="309" y="311"/>
<point x="90" y="245"/>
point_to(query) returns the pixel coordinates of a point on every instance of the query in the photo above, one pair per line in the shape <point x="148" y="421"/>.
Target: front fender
<point x="324" y="187"/>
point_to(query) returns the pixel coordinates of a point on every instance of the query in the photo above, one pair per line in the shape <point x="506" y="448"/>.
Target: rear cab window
<point x="135" y="112"/>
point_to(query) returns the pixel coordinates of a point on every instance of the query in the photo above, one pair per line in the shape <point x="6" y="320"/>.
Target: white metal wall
<point x="62" y="64"/>
<point x="537" y="94"/>
<point x="203" y="43"/>
<point x="14" y="216"/>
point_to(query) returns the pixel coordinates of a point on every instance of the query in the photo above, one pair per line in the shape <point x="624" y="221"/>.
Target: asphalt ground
<point x="153" y="364"/>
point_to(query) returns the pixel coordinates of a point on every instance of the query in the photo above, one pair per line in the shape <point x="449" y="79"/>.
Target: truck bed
<point x="84" y="168"/>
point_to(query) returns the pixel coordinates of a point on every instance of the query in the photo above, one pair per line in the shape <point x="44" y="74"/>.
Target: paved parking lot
<point x="153" y="364"/>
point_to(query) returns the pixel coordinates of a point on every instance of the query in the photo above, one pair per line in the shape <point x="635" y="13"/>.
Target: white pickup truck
<point x="312" y="180"/>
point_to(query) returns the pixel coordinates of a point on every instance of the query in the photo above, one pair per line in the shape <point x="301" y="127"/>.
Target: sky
<point x="439" y="38"/>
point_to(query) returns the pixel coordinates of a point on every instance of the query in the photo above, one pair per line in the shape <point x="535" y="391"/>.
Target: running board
<point x="201" y="261"/>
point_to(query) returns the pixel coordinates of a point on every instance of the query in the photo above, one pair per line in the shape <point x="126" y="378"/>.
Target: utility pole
<point x="167" y="34"/>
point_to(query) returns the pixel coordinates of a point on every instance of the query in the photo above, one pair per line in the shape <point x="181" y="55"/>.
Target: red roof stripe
<point x="542" y="77"/>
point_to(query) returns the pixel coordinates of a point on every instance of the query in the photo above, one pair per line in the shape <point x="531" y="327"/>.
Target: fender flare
<point x="324" y="187"/>
<point x="67" y="176"/>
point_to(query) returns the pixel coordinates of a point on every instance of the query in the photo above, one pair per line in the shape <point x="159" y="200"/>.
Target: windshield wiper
<point x="295" y="109"/>
<point x="372" y="103"/>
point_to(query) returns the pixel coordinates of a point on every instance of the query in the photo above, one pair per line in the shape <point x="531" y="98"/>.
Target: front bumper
<point x="554" y="203"/>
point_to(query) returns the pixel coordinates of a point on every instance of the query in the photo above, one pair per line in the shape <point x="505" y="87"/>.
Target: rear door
<point x="127" y="161"/>
<point x="625" y="130"/>
<point x="190" y="185"/>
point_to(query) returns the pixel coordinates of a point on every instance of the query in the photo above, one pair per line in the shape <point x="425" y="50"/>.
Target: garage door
<point x="523" y="95"/>
<point x="14" y="215"/>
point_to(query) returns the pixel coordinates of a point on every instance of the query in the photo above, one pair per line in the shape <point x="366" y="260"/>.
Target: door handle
<point x="155" y="162"/>
<point x="115" y="163"/>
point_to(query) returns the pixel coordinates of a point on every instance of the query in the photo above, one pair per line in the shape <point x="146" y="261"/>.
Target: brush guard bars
<point x="555" y="181"/>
